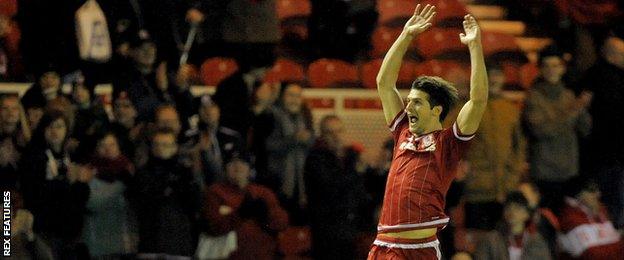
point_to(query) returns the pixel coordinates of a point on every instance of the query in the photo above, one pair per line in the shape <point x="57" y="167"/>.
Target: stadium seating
<point x="285" y="70"/>
<point x="289" y="9"/>
<point x="395" y="13"/>
<point x="370" y="69"/>
<point x="496" y="43"/>
<point x="294" y="242"/>
<point x="324" y="73"/>
<point x="441" y="43"/>
<point x="439" y="67"/>
<point x="449" y="13"/>
<point x="528" y="73"/>
<point x="293" y="16"/>
<point x="214" y="70"/>
<point x="382" y="39"/>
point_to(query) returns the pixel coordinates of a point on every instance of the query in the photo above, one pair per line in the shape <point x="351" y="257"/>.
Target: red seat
<point x="325" y="73"/>
<point x="382" y="39"/>
<point x="439" y="43"/>
<point x="285" y="70"/>
<point x="298" y="31"/>
<point x="512" y="74"/>
<point x="369" y="73"/>
<point x="520" y="76"/>
<point x="293" y="9"/>
<point x="438" y="68"/>
<point x="528" y="73"/>
<point x="395" y="12"/>
<point x="293" y="15"/>
<point x="370" y="70"/>
<point x="451" y="71"/>
<point x="449" y="13"/>
<point x="495" y="42"/>
<point x="214" y="70"/>
<point x="294" y="241"/>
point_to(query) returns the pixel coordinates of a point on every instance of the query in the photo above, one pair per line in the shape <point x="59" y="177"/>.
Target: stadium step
<point x="515" y="28"/>
<point x="532" y="44"/>
<point x="487" y="12"/>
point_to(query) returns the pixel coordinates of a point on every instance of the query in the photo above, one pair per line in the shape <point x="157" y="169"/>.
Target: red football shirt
<point x="422" y="170"/>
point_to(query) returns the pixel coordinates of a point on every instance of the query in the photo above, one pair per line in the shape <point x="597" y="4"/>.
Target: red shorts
<point x="395" y="249"/>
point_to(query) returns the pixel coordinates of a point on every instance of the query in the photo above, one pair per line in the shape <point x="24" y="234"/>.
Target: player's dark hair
<point x="441" y="92"/>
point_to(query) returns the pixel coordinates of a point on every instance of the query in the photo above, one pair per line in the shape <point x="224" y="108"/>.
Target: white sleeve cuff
<point x="458" y="134"/>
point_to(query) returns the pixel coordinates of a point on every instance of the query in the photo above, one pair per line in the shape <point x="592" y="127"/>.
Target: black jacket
<point x="58" y="206"/>
<point x="166" y="198"/>
<point x="335" y="193"/>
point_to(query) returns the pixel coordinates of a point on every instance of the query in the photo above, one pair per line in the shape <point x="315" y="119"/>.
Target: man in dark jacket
<point x="166" y="197"/>
<point x="213" y="142"/>
<point x="605" y="149"/>
<point x="47" y="87"/>
<point x="147" y="82"/>
<point x="335" y="193"/>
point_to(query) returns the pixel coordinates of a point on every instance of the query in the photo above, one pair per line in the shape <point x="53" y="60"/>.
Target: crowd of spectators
<point x="160" y="173"/>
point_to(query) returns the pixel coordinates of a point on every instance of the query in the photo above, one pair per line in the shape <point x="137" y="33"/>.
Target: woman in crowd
<point x="283" y="135"/>
<point x="109" y="229"/>
<point x="514" y="238"/>
<point x="55" y="189"/>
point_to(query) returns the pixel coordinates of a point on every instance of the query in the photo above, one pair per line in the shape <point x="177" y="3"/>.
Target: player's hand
<point x="420" y="21"/>
<point x="472" y="32"/>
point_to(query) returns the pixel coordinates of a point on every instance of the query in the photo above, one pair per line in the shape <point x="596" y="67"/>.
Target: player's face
<point x="419" y="112"/>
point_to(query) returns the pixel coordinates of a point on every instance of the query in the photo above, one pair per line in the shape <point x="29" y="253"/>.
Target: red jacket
<point x="588" y="236"/>
<point x="254" y="241"/>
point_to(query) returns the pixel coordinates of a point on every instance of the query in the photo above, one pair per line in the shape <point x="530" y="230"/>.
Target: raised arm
<point x="470" y="115"/>
<point x="391" y="100"/>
